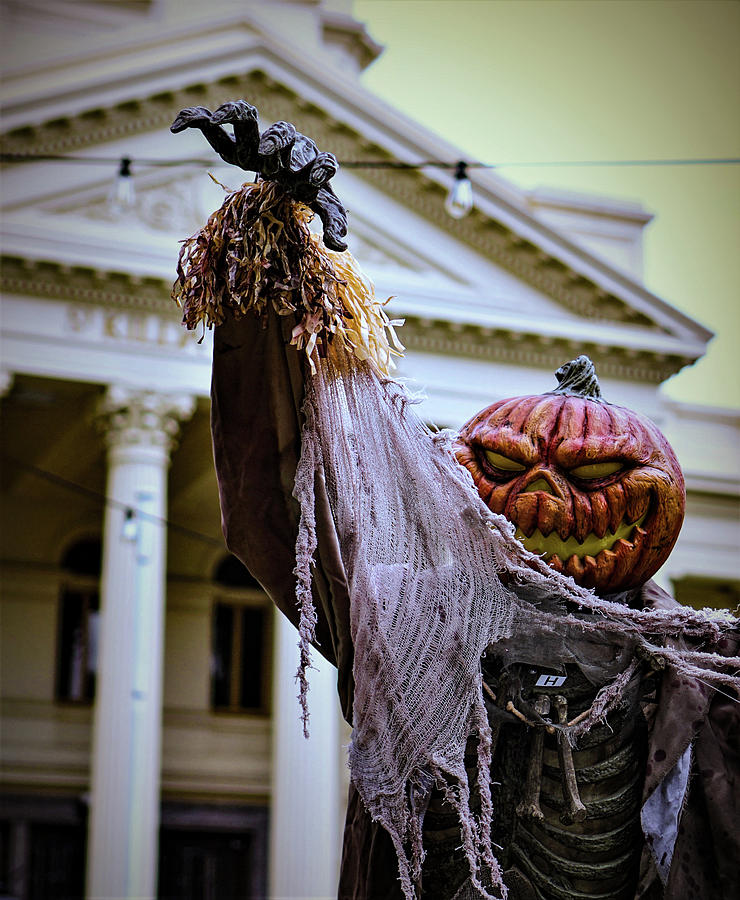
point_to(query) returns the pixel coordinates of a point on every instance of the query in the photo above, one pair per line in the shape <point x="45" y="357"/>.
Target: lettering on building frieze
<point x="131" y="326"/>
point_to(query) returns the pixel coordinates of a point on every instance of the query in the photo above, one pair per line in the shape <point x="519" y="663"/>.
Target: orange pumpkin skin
<point x="634" y="514"/>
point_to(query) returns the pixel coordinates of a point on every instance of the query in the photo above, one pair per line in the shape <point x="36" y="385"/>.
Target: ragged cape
<point x="371" y="539"/>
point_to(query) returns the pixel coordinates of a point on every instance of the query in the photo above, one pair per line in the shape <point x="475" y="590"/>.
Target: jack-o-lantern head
<point x="593" y="487"/>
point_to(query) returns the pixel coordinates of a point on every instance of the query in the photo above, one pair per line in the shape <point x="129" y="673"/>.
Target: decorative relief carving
<point x="179" y="206"/>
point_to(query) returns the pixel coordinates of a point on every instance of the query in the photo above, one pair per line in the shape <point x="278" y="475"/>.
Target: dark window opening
<point x="206" y="851"/>
<point x="239" y="658"/>
<point x="5" y="884"/>
<point x="240" y="641"/>
<point x="230" y="572"/>
<point x="83" y="558"/>
<point x="57" y="870"/>
<point x="77" y="648"/>
<point x="197" y="865"/>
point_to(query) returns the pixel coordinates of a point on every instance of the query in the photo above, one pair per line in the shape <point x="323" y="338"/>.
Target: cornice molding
<point x="409" y="187"/>
<point x="86" y="285"/>
<point x="120" y="291"/>
<point x="537" y="351"/>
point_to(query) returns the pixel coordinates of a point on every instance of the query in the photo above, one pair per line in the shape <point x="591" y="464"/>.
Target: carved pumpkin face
<point x="593" y="487"/>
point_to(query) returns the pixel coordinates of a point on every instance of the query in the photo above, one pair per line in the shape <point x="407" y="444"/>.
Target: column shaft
<point x="125" y="766"/>
<point x="305" y="823"/>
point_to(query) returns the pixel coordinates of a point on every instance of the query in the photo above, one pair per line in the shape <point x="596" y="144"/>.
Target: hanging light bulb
<point x="459" y="201"/>
<point x="123" y="195"/>
<point x="130" y="529"/>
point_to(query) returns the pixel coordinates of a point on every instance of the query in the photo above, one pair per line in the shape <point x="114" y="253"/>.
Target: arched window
<point x="240" y="641"/>
<point x="77" y="644"/>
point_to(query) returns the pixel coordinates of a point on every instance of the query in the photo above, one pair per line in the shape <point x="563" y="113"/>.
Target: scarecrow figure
<point x="531" y="715"/>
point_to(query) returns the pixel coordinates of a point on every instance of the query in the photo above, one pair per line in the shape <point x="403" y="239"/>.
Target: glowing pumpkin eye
<point x="597" y="470"/>
<point x="503" y="463"/>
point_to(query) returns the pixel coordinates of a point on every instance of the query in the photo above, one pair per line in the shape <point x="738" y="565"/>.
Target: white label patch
<point x="550" y="680"/>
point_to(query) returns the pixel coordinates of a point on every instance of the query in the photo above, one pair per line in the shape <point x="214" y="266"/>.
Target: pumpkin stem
<point x="577" y="378"/>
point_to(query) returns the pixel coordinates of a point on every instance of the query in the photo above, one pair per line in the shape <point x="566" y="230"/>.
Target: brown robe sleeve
<point x="256" y="398"/>
<point x="690" y="713"/>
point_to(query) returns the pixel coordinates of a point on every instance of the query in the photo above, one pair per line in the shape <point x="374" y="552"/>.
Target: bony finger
<point x="189" y="117"/>
<point x="227" y="112"/>
<point x="234" y="111"/>
<point x="324" y="168"/>
<point x="276" y="138"/>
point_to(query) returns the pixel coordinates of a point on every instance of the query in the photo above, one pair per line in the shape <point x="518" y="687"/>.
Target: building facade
<point x="151" y="742"/>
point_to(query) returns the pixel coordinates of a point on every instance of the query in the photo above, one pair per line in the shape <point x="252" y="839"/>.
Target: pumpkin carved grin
<point x="553" y="545"/>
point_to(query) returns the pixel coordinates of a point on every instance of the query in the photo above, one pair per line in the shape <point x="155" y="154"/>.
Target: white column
<point x="140" y="428"/>
<point x="6" y="381"/>
<point x="305" y="820"/>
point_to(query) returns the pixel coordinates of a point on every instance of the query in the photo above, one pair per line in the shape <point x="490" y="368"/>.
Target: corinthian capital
<point x="130" y="417"/>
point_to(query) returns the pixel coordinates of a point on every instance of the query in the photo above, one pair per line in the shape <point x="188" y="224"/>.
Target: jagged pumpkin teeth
<point x="617" y="505"/>
<point x="552" y="544"/>
<point x="606" y="560"/>
<point x="599" y="514"/>
<point x="635" y="506"/>
<point x="525" y="516"/>
<point x="581" y="527"/>
<point x="601" y="497"/>
<point x="574" y="567"/>
<point x="547" y="511"/>
<point x="623" y="546"/>
<point x="590" y="572"/>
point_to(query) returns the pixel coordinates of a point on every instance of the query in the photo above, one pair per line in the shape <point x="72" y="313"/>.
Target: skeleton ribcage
<point x="563" y="851"/>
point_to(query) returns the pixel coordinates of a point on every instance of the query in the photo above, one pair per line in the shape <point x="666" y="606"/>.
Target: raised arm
<point x="241" y="274"/>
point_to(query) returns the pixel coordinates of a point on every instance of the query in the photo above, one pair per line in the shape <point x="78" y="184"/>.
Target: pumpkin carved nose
<point x="539" y="485"/>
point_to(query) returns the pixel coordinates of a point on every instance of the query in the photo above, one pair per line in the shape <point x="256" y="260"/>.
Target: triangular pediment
<point x="501" y="267"/>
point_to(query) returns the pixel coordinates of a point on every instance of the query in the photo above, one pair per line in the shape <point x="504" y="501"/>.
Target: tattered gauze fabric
<point x="434" y="577"/>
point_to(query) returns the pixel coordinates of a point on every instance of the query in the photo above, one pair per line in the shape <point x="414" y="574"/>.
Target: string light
<point x="459" y="200"/>
<point x="130" y="529"/>
<point x="458" y="203"/>
<point x="123" y="196"/>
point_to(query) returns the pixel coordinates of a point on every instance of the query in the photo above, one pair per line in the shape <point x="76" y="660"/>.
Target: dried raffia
<point x="257" y="249"/>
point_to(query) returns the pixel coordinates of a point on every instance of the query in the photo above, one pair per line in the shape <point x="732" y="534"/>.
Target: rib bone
<point x="530" y="804"/>
<point x="575" y="810"/>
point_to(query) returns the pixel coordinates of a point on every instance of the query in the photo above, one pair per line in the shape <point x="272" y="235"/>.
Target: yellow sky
<point x="535" y="80"/>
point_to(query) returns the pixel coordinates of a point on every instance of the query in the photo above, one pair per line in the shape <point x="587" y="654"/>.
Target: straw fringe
<point x="257" y="249"/>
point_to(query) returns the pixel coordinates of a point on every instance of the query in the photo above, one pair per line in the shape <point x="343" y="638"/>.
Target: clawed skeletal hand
<point x="279" y="154"/>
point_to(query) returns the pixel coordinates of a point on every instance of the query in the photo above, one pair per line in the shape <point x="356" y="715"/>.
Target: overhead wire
<point x="104" y="499"/>
<point x="383" y="163"/>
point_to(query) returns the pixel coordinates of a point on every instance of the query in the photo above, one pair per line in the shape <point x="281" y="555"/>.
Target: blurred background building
<point x="151" y="739"/>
